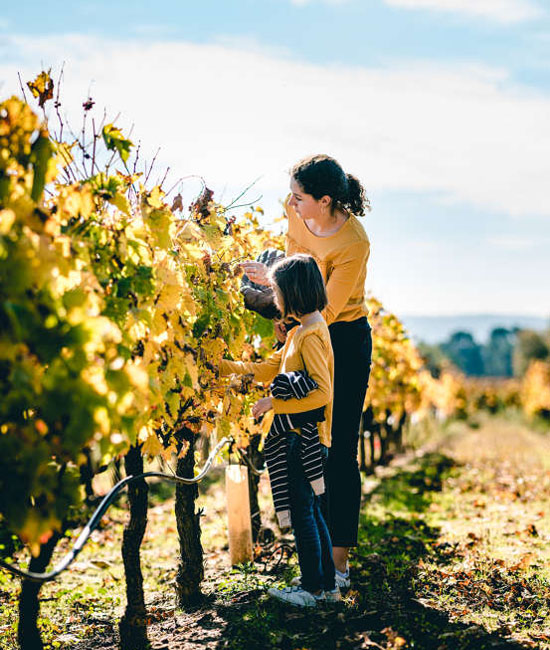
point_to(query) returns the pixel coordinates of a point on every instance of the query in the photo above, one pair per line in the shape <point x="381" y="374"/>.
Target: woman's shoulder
<point x="353" y="241"/>
<point x="355" y="231"/>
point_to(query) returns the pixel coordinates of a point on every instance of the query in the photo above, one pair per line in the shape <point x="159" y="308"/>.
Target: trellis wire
<point x="247" y="460"/>
<point x="100" y="511"/>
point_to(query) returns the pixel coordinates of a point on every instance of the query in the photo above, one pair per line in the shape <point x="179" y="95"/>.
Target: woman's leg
<point x="327" y="561"/>
<point x="352" y="345"/>
<point x="302" y="513"/>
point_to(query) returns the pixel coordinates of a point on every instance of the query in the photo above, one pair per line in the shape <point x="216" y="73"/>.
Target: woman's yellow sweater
<point x="306" y="348"/>
<point x="342" y="260"/>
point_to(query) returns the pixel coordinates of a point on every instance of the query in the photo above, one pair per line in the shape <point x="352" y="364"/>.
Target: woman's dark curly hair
<point x="322" y="175"/>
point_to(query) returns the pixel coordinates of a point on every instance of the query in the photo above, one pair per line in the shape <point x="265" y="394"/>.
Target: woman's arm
<point x="315" y="352"/>
<point x="257" y="272"/>
<point x="343" y="278"/>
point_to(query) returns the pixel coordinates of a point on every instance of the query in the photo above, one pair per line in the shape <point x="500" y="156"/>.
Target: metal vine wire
<point x="100" y="511"/>
<point x="253" y="469"/>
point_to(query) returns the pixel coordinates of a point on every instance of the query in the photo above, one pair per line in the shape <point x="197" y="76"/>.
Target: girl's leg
<point x="352" y="347"/>
<point x="302" y="502"/>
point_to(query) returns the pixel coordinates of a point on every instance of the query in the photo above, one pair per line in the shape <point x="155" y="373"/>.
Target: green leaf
<point x="263" y="327"/>
<point x="114" y="140"/>
<point x="74" y="298"/>
<point x="121" y="202"/>
<point x="41" y="152"/>
<point x="160" y="222"/>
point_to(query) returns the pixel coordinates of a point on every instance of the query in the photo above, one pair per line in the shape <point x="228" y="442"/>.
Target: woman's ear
<point x="326" y="201"/>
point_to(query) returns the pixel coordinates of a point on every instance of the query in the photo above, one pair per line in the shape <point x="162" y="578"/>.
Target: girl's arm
<point x="315" y="354"/>
<point x="263" y="370"/>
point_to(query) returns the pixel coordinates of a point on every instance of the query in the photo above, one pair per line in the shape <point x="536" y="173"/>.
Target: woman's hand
<point x="261" y="407"/>
<point x="257" y="272"/>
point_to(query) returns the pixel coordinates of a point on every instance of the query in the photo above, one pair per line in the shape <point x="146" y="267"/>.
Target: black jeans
<point x="352" y="346"/>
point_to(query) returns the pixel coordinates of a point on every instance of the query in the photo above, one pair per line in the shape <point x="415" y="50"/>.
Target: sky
<point x="440" y="107"/>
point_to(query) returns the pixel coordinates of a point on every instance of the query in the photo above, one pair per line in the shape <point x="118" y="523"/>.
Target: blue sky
<point x="440" y="107"/>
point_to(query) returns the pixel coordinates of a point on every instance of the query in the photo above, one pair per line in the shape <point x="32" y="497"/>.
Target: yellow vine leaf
<point x="152" y="446"/>
<point x="192" y="369"/>
<point x="42" y="87"/>
<point x="7" y="219"/>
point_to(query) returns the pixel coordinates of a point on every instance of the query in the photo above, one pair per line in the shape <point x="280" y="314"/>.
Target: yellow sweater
<point x="342" y="260"/>
<point x="306" y="348"/>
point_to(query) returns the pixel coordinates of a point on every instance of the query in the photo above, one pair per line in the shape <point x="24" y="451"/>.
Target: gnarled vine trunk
<point x="399" y="441"/>
<point x="190" y="568"/>
<point x="28" y="634"/>
<point x="256" y="458"/>
<point x="87" y="475"/>
<point x="133" y="625"/>
<point x="369" y="424"/>
<point x="386" y="433"/>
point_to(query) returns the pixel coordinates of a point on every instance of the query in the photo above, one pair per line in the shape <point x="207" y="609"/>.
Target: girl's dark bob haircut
<point x="301" y="285"/>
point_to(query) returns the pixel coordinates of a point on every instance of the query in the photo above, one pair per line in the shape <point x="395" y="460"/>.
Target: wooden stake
<point x="238" y="514"/>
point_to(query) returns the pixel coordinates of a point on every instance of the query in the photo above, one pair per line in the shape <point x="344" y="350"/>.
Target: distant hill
<point x="436" y="329"/>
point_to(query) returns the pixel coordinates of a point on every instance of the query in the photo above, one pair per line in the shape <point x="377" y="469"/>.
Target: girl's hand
<point x="261" y="407"/>
<point x="280" y="330"/>
<point x="256" y="271"/>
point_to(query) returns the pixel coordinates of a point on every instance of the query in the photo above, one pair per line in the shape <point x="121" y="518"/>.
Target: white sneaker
<point x="333" y="596"/>
<point x="342" y="579"/>
<point x="296" y="596"/>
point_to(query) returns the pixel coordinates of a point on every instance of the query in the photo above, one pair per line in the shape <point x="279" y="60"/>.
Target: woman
<point x="322" y="222"/>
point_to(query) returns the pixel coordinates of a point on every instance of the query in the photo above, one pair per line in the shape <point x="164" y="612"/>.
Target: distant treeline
<point x="507" y="353"/>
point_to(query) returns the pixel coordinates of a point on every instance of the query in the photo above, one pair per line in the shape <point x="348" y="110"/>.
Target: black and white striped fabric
<point x="292" y="384"/>
<point x="286" y="385"/>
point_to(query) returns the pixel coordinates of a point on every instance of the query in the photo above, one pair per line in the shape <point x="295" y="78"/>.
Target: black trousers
<point x="352" y="346"/>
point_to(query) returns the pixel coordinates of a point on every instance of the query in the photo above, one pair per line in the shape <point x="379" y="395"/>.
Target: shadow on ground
<point x="381" y="611"/>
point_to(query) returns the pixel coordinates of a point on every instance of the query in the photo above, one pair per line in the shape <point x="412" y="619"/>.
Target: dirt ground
<point x="453" y="554"/>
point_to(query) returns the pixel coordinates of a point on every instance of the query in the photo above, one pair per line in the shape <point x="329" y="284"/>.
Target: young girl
<point x="305" y="360"/>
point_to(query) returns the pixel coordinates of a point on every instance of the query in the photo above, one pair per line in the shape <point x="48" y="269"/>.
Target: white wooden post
<point x="238" y="514"/>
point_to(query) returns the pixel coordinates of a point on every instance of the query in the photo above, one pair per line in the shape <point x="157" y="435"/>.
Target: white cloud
<point x="516" y="243"/>
<point x="232" y="115"/>
<point x="302" y="3"/>
<point x="503" y="11"/>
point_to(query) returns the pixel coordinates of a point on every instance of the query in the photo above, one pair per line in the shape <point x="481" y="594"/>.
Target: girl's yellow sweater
<point x="306" y="348"/>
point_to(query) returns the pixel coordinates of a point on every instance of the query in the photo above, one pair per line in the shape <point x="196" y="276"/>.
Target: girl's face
<point x="305" y="205"/>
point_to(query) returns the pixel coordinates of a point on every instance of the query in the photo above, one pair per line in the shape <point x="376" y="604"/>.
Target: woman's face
<point x="305" y="205"/>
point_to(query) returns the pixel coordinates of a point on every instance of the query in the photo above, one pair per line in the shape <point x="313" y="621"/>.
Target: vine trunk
<point x="133" y="625"/>
<point x="190" y="568"/>
<point x="28" y="634"/>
